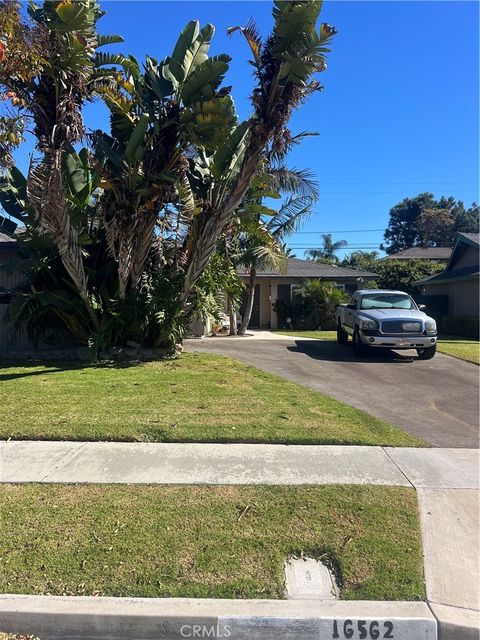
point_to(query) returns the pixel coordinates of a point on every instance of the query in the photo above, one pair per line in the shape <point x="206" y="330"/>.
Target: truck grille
<point x="401" y="326"/>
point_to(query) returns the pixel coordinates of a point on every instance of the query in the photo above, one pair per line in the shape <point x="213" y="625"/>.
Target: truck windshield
<point x="387" y="301"/>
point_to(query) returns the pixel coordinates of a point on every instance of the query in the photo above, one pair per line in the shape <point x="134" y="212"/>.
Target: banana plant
<point x="156" y="116"/>
<point x="285" y="65"/>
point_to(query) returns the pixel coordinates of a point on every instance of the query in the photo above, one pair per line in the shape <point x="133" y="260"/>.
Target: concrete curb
<point x="85" y="618"/>
<point x="455" y="623"/>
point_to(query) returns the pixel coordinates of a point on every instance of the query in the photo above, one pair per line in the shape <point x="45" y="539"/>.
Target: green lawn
<point x="214" y="542"/>
<point x="319" y="335"/>
<point x="196" y="398"/>
<point x="463" y="348"/>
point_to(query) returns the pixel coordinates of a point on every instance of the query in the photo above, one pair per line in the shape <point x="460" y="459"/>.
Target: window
<point x="387" y="301"/>
<point x="284" y="293"/>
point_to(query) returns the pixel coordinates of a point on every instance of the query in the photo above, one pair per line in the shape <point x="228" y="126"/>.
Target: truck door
<point x="350" y="312"/>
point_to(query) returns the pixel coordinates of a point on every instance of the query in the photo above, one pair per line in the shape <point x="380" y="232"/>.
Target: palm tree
<point x="326" y="253"/>
<point x="284" y="67"/>
<point x="262" y="242"/>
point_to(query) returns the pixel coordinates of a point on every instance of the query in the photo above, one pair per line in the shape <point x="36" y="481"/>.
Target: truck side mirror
<point x="351" y="306"/>
<point x="422" y="307"/>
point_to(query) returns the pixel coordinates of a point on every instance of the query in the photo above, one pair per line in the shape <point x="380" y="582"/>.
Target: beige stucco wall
<point x="463" y="296"/>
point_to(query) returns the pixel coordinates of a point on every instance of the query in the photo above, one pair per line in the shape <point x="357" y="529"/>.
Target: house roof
<point x="469" y="238"/>
<point x="466" y="273"/>
<point x="470" y="272"/>
<point x="421" y="253"/>
<point x="297" y="268"/>
<point x="7" y="242"/>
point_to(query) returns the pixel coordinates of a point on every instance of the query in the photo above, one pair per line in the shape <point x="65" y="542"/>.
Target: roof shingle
<point x="297" y="268"/>
<point x="421" y="253"/>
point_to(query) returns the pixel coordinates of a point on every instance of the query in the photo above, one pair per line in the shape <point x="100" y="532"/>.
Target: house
<point x="272" y="285"/>
<point x="8" y="282"/>
<point x="460" y="280"/>
<point x="437" y="254"/>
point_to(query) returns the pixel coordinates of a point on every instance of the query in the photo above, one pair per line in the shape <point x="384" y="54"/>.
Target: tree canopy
<point x="424" y="221"/>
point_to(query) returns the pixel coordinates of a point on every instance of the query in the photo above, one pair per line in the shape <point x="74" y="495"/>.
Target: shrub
<point x="312" y="307"/>
<point x="399" y="274"/>
<point x="466" y="326"/>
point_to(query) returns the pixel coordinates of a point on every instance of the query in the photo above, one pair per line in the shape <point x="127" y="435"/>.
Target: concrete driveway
<point x="436" y="400"/>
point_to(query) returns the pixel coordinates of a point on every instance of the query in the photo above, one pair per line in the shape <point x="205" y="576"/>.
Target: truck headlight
<point x="368" y="324"/>
<point x="430" y="326"/>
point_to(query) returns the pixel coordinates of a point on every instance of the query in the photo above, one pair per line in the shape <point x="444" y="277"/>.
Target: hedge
<point x="466" y="326"/>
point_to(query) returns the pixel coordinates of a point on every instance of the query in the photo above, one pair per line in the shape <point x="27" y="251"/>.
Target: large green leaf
<point x="309" y="57"/>
<point x="130" y="65"/>
<point x="293" y="20"/>
<point x="102" y="41"/>
<point x="256" y="209"/>
<point x="13" y="194"/>
<point x="203" y="82"/>
<point x="106" y="147"/>
<point x="227" y="158"/>
<point x="75" y="16"/>
<point x="77" y="173"/>
<point x="155" y="82"/>
<point x="135" y="148"/>
<point x="191" y="50"/>
<point x="208" y="124"/>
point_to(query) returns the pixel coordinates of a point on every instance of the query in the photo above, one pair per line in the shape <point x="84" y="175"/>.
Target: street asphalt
<point x="436" y="400"/>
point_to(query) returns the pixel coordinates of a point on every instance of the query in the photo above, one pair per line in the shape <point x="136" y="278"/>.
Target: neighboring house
<point x="460" y="280"/>
<point x="273" y="285"/>
<point x="8" y="282"/>
<point x="437" y="254"/>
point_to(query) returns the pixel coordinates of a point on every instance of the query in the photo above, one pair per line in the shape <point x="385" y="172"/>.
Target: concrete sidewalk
<point x="446" y="480"/>
<point x="195" y="463"/>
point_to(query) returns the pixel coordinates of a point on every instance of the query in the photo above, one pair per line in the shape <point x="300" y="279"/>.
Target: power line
<point x="399" y="183"/>
<point x="363" y="193"/>
<point x="344" y="231"/>
<point x="356" y="248"/>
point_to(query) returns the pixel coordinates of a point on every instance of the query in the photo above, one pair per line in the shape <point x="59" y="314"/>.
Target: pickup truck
<point x="387" y="320"/>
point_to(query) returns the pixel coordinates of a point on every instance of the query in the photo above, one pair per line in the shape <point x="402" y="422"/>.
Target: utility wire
<point x="344" y="231"/>
<point x="399" y="183"/>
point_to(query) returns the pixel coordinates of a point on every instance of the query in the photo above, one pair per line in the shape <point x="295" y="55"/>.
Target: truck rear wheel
<point x="427" y="353"/>
<point x="342" y="335"/>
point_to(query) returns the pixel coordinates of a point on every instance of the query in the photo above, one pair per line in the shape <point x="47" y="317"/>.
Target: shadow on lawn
<point x="333" y="352"/>
<point x="54" y="367"/>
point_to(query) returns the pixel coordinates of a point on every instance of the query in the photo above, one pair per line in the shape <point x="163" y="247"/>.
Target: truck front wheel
<point x="342" y="335"/>
<point x="358" y="348"/>
<point x="427" y="353"/>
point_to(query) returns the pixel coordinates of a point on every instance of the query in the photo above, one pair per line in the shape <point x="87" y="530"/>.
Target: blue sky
<point x="398" y="116"/>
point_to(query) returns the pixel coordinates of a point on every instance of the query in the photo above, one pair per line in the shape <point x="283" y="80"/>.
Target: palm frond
<point x="291" y="216"/>
<point x="253" y="38"/>
<point x="291" y="180"/>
